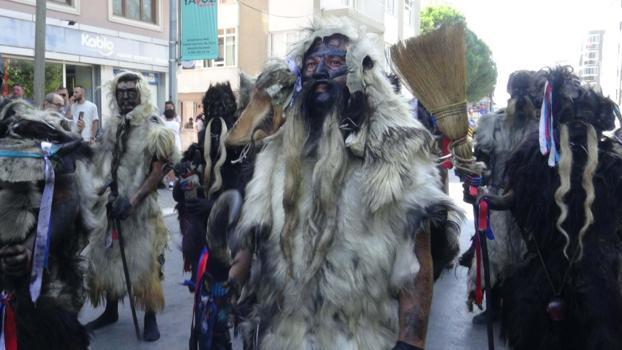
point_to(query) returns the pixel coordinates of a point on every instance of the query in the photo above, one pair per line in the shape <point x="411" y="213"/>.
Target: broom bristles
<point x="434" y="66"/>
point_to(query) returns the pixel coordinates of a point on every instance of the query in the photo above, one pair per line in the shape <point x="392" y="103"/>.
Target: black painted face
<point x="326" y="61"/>
<point x="128" y="96"/>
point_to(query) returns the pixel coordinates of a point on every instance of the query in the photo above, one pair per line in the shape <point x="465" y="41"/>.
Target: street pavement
<point x="450" y="326"/>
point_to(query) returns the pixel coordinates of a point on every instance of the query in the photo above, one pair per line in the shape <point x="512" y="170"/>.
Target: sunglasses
<point x="64" y="95"/>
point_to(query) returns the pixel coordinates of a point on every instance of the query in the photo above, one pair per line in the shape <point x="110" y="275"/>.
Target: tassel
<point x="546" y="127"/>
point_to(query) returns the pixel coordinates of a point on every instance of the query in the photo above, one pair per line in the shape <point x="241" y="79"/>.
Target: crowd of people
<point x="312" y="208"/>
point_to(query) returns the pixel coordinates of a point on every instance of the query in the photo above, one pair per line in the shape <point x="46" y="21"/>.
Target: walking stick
<point x="488" y="290"/>
<point x="126" y="272"/>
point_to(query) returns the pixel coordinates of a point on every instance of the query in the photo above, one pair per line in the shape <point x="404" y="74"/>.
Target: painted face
<point x="128" y="96"/>
<point x="326" y="60"/>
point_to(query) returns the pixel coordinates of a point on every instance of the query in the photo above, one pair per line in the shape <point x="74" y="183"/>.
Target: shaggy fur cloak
<point x="145" y="234"/>
<point x="51" y="322"/>
<point x="389" y="188"/>
<point x="584" y="246"/>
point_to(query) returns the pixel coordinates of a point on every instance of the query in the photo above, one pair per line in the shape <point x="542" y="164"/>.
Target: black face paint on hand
<point x="127" y="95"/>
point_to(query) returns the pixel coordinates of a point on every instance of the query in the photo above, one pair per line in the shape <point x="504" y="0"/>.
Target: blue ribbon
<point x="19" y="154"/>
<point x="293" y="67"/>
<point x="42" y="246"/>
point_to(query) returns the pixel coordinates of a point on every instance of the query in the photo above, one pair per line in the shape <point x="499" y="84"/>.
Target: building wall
<point x="253" y="36"/>
<point x="95" y="40"/>
<point x="98" y="13"/>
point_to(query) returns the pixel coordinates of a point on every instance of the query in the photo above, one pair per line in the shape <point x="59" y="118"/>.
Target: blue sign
<point x="199" y="29"/>
<point x="21" y="33"/>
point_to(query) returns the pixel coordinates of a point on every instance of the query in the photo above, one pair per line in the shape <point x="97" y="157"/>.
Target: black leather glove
<point x="400" y="345"/>
<point x="120" y="208"/>
<point x="199" y="206"/>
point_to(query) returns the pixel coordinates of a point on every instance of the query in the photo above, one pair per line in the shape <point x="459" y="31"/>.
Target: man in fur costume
<point x="335" y="223"/>
<point x="196" y="192"/>
<point x="44" y="228"/>
<point x="563" y="191"/>
<point x="497" y="136"/>
<point x="136" y="151"/>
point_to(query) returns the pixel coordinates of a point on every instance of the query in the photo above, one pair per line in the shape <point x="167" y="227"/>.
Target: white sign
<point x="101" y="44"/>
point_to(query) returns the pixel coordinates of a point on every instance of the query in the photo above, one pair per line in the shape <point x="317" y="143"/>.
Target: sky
<point x="532" y="34"/>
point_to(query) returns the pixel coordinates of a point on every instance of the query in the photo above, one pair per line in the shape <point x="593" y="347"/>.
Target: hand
<point x="15" y="260"/>
<point x="400" y="345"/>
<point x="467" y="196"/>
<point x="120" y="208"/>
<point x="182" y="169"/>
<point x="199" y="206"/>
<point x="80" y="124"/>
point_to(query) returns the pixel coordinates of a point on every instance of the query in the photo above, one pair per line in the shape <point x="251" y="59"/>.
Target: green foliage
<point x="22" y="72"/>
<point x="481" y="68"/>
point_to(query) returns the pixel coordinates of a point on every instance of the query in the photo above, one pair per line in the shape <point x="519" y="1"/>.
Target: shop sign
<point x="20" y="33"/>
<point x="199" y="30"/>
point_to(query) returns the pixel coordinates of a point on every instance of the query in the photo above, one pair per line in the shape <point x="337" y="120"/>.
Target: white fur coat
<point x="144" y="231"/>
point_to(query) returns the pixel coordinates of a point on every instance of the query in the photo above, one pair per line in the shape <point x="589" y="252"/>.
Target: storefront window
<point x="140" y="10"/>
<point x="22" y="72"/>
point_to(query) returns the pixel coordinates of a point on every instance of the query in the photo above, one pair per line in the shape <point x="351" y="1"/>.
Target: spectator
<point x="18" y="92"/>
<point x="88" y="110"/>
<point x="66" y="110"/>
<point x="200" y="121"/>
<point x="173" y="125"/>
<point x="169" y="105"/>
<point x="55" y="102"/>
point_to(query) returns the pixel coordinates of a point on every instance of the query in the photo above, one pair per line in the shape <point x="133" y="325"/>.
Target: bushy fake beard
<point x="314" y="131"/>
<point x="521" y="109"/>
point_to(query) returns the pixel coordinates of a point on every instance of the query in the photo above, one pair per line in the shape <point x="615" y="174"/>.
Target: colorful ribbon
<point x="42" y="246"/>
<point x="8" y="326"/>
<point x="482" y="224"/>
<point x="546" y="127"/>
<point x="293" y="67"/>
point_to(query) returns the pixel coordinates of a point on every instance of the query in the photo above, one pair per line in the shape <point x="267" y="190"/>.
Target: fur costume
<point x="497" y="136"/>
<point x="145" y="234"/>
<point x="232" y="171"/>
<point x="571" y="214"/>
<point x="331" y="281"/>
<point x="51" y="322"/>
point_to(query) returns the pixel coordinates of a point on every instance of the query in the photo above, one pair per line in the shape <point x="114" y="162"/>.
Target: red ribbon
<point x="10" y="326"/>
<point x="115" y="234"/>
<point x="445" y="150"/>
<point x="482" y="222"/>
<point x="201" y="268"/>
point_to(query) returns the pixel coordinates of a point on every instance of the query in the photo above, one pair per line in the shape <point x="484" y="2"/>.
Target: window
<point x="389" y="7"/>
<point x="227" y="49"/>
<point x="408" y="12"/>
<point x="281" y="43"/>
<point x="63" y="2"/>
<point x="138" y="10"/>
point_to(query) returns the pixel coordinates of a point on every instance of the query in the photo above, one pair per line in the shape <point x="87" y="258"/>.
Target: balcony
<point x="363" y="12"/>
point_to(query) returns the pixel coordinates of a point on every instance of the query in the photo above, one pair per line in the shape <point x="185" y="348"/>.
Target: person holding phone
<point x="80" y="106"/>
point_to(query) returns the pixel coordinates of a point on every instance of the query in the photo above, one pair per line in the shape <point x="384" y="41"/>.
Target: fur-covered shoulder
<point x="484" y="134"/>
<point x="161" y="141"/>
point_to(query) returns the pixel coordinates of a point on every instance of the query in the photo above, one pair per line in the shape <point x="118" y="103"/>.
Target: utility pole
<point x="172" y="52"/>
<point x="39" y="83"/>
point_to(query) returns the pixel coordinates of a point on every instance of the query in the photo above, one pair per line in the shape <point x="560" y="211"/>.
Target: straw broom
<point x="433" y="66"/>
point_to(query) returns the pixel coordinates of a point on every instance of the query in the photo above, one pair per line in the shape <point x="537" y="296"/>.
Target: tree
<point x="481" y="69"/>
<point x="22" y="72"/>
